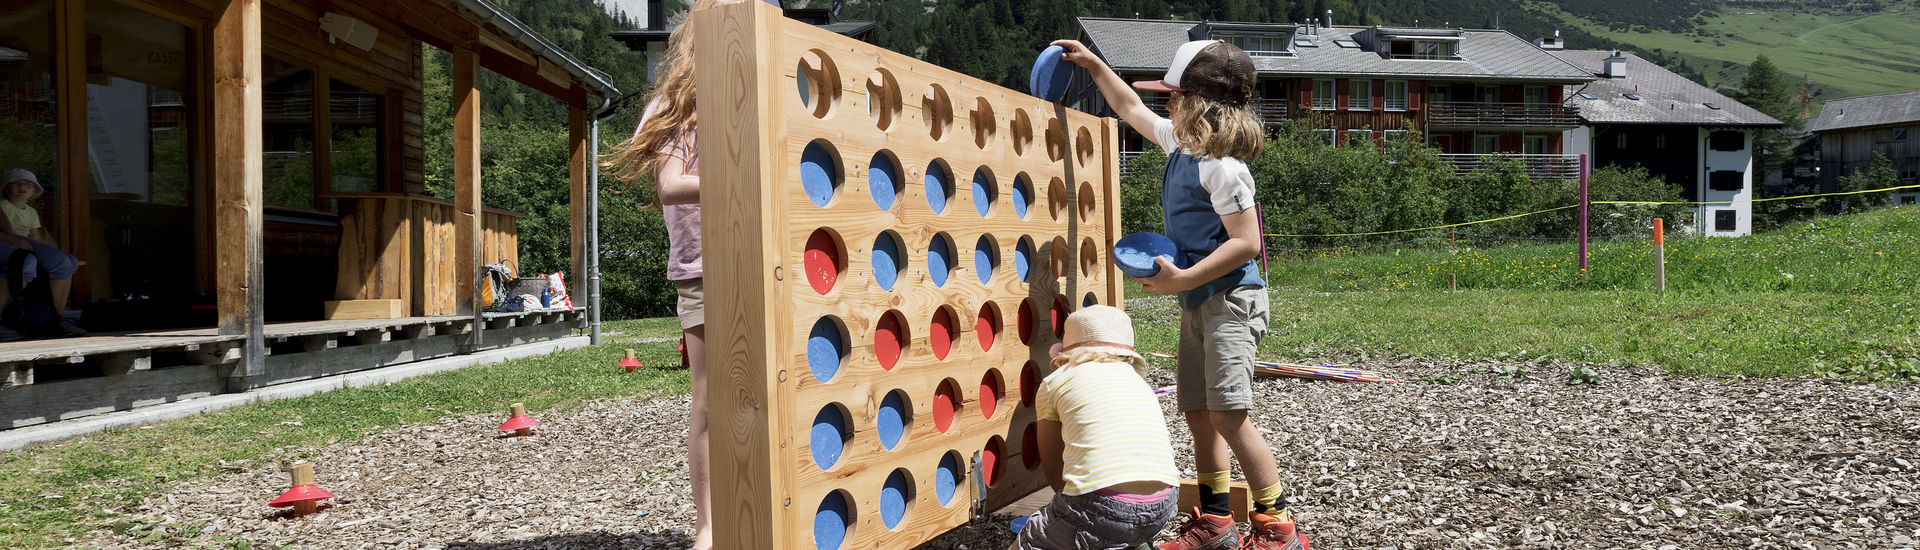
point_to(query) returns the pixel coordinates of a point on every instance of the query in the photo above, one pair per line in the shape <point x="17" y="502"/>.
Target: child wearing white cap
<point x="22" y="231"/>
<point x="1207" y="206"/>
<point x="1103" y="443"/>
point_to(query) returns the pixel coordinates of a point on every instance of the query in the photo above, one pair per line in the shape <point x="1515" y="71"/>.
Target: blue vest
<point x="1187" y="210"/>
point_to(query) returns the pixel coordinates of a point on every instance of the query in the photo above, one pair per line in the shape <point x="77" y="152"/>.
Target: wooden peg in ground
<point x="631" y="362"/>
<point x="304" y="496"/>
<point x="521" y="424"/>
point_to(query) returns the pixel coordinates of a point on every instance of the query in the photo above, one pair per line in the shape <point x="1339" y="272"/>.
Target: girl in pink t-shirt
<point x="663" y="146"/>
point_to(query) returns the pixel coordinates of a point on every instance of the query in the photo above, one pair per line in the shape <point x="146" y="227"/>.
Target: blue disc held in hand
<point x="1050" y="74"/>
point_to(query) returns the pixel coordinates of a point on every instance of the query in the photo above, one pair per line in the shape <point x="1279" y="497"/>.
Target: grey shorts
<point x="692" y="304"/>
<point x="1217" y="343"/>
<point x="1097" y="522"/>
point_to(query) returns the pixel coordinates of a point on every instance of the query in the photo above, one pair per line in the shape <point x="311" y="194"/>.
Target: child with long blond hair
<point x="1103" y="443"/>
<point x="663" y="145"/>
<point x="1207" y="206"/>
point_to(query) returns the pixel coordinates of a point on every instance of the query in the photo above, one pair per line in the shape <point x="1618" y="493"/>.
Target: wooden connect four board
<point x="890" y="249"/>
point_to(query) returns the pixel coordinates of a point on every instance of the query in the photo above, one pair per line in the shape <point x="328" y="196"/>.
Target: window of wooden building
<point x="1396" y="95"/>
<point x="1534" y="95"/>
<point x="1323" y="95"/>
<point x="1359" y="94"/>
<point x="1534" y="144"/>
<point x="350" y="124"/>
<point x="1486" y="143"/>
<point x="29" y="102"/>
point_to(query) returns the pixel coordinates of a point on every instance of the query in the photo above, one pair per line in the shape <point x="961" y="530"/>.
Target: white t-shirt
<point x="1228" y="182"/>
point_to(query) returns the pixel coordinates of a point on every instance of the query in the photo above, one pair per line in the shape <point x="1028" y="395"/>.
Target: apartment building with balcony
<point x="1470" y="93"/>
<point x="1636" y="113"/>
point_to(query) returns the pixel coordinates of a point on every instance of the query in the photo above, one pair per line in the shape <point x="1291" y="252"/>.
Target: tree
<point x="1878" y="174"/>
<point x="1767" y="90"/>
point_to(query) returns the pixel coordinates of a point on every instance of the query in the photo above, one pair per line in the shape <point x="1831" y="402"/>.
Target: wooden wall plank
<point x="74" y="219"/>
<point x="467" y="237"/>
<point x="744" y="334"/>
<point x="238" y="179"/>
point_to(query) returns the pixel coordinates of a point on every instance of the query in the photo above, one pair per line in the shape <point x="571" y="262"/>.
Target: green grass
<point x="53" y="492"/>
<point x="1876" y="252"/>
<point x="1846" y="55"/>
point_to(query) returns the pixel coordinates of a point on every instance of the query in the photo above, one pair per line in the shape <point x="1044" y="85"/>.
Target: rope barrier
<point x="1616" y="203"/>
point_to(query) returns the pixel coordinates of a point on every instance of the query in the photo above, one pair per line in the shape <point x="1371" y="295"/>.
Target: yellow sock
<point x="1268" y="500"/>
<point x="1215" y="499"/>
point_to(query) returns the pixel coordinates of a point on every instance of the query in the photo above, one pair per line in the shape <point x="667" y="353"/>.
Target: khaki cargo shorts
<point x="692" y="304"/>
<point x="1217" y="343"/>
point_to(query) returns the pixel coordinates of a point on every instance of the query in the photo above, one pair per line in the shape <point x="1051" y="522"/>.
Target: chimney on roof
<point x="1329" y="20"/>
<point x="1550" y="43"/>
<point x="1616" y="66"/>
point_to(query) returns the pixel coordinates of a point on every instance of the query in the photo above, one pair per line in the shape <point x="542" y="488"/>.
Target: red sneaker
<point x="1204" y="532"/>
<point x="1270" y="533"/>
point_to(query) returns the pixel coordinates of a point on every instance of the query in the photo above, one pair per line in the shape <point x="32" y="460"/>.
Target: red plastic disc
<point x="515" y="423"/>
<point x="943" y="333"/>
<point x="990" y="461"/>
<point x="1030" y="447"/>
<point x="888" y="339"/>
<point x="991" y="388"/>
<point x="301" y="493"/>
<point x="1059" y="316"/>
<point x="822" y="261"/>
<point x="1023" y="322"/>
<point x="946" y="400"/>
<point x="987" y="325"/>
<point x="1029" y="383"/>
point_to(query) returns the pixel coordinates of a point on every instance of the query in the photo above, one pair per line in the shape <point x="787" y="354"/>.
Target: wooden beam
<point x="322" y="138"/>
<point x="744" y="329"/>
<point x="467" y="237"/>
<point x="577" y="170"/>
<point x="70" y="82"/>
<point x="238" y="180"/>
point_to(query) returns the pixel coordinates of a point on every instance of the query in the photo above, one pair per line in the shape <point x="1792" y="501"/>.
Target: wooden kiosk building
<point x="226" y="168"/>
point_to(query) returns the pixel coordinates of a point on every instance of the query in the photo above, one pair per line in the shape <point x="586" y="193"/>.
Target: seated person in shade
<point x="1103" y="443"/>
<point x="22" y="231"/>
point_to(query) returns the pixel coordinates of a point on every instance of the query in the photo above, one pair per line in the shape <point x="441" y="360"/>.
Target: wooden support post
<point x="467" y="236"/>
<point x="748" y="419"/>
<point x="577" y="169"/>
<point x="1660" y="254"/>
<point x="1239" y="497"/>
<point x="74" y="209"/>
<point x="238" y="180"/>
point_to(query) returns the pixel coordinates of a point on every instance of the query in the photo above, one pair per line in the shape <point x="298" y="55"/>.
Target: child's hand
<point x="1078" y="54"/>
<point x="1170" y="280"/>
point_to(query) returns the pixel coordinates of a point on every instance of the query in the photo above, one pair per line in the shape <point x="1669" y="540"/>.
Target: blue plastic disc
<point x="825" y="348"/>
<point x="894" y="497"/>
<point x="1022" y="197"/>
<point x="1018" y="523"/>
<point x="939" y="187"/>
<point x="940" y="259"/>
<point x="882" y="180"/>
<point x="893" y="419"/>
<point x="830" y="434"/>
<point x="946" y="478"/>
<point x="1050" y="74"/>
<point x="886" y="260"/>
<point x="1134" y="253"/>
<point x="986" y="258"/>
<point x="818" y="173"/>
<point x="830" y="524"/>
<point x="1022" y="258"/>
<point x="983" y="192"/>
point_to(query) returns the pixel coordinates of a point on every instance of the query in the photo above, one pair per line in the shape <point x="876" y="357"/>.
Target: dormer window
<point x="1416" y="43"/>
<point x="1422" y="49"/>
<point x="1261" y="45"/>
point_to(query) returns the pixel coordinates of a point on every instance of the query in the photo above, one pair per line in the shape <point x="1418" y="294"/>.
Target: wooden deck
<point x="49" y="380"/>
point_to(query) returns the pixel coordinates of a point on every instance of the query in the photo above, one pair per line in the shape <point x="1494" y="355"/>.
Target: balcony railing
<point x="1502" y="115"/>
<point x="1270" y="110"/>
<point x="1536" y="166"/>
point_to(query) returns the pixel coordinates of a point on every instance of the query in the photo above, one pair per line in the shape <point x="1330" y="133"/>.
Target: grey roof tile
<point x="1665" y="97"/>
<point x="1872" y="110"/>
<point x="1144" y="45"/>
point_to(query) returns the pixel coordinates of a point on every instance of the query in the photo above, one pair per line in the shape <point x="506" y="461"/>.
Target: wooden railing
<point x="1270" y="110"/>
<point x="1536" y="166"/>
<point x="1503" y="115"/>
<point x="400" y="247"/>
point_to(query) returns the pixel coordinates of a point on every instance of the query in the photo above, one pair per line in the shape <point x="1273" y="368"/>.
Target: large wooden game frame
<point x="755" y="72"/>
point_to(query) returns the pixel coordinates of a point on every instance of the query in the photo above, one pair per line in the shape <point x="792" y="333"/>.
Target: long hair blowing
<point x="1209" y="128"/>
<point x="673" y="115"/>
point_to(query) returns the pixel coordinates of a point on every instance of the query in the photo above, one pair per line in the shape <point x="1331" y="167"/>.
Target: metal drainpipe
<point x="593" y="229"/>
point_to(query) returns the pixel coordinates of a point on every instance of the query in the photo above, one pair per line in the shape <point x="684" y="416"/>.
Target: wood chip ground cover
<point x="1641" y="461"/>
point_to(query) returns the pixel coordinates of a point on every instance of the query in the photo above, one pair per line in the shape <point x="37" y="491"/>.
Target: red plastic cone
<point x="304" y="497"/>
<point x="629" y="363"/>
<point x="520" y="423"/>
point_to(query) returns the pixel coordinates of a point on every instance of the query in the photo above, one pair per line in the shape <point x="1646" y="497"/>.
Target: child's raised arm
<point x="1123" y="99"/>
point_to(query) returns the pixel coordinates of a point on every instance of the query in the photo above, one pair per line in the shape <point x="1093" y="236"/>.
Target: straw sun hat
<point x="1103" y="328"/>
